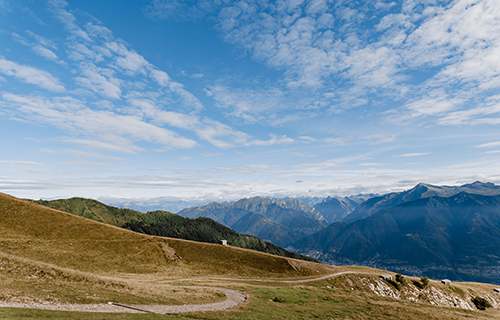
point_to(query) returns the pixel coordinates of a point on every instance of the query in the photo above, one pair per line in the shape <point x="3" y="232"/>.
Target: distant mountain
<point x="166" y="224"/>
<point x="420" y="191"/>
<point x="335" y="209"/>
<point x="307" y="200"/>
<point x="151" y="204"/>
<point x="456" y="237"/>
<point x="278" y="221"/>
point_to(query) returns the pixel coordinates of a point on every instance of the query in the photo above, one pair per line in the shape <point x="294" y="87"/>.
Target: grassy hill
<point x="36" y="232"/>
<point x="50" y="256"/>
<point x="166" y="224"/>
<point x="46" y="250"/>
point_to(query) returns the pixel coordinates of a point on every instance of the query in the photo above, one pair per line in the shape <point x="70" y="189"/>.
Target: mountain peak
<point x="481" y="184"/>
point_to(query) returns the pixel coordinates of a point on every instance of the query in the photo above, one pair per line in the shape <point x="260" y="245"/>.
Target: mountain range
<point x="420" y="191"/>
<point x="440" y="232"/>
<point x="278" y="221"/>
<point x="336" y="209"/>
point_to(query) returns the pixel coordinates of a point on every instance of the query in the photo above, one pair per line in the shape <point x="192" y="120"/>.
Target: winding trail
<point x="234" y="298"/>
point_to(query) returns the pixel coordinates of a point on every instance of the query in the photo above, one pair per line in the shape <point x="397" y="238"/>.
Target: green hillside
<point x="166" y="224"/>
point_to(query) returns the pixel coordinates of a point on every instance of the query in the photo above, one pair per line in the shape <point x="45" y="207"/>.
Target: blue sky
<point x="220" y="100"/>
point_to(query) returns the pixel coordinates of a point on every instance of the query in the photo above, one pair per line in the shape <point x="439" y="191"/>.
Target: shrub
<point x="394" y="284"/>
<point x="417" y="284"/>
<point x="424" y="281"/>
<point x="400" y="279"/>
<point x="481" y="303"/>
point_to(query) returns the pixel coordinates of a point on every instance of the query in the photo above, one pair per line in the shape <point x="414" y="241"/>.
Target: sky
<point x="201" y="101"/>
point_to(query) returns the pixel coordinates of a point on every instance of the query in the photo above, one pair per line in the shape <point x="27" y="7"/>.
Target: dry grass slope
<point x="35" y="232"/>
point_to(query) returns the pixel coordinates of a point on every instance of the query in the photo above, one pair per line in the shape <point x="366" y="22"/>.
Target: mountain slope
<point x="456" y="237"/>
<point x="260" y="217"/>
<point x="420" y="191"/>
<point x="336" y="208"/>
<point x="38" y="233"/>
<point x="166" y="224"/>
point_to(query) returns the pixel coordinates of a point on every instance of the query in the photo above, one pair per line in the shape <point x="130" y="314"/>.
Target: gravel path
<point x="265" y="280"/>
<point x="234" y="298"/>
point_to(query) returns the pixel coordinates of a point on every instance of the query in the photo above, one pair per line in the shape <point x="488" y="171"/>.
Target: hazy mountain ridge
<point x="276" y="220"/>
<point x="338" y="208"/>
<point x="422" y="190"/>
<point x="455" y="237"/>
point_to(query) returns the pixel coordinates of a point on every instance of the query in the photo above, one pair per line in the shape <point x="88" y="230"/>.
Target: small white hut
<point x="497" y="290"/>
<point x="446" y="282"/>
<point x="224" y="242"/>
<point x="386" y="277"/>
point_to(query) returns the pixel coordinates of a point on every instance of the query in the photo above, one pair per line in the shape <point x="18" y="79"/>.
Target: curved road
<point x="234" y="298"/>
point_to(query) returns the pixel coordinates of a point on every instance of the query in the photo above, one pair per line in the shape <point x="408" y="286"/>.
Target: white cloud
<point x="489" y="145"/>
<point x="39" y="48"/>
<point x="128" y="59"/>
<point x="257" y="169"/>
<point x="480" y="114"/>
<point x="94" y="155"/>
<point x="44" y="52"/>
<point x="42" y="40"/>
<point x="99" y="80"/>
<point x="20" y="163"/>
<point x="117" y="144"/>
<point x="412" y="155"/>
<point x="31" y="75"/>
<point x="250" y="105"/>
<point x="318" y="165"/>
<point x="337" y="141"/>
<point x="380" y="138"/>
<point x="69" y="20"/>
<point x="274" y="140"/>
<point x="163" y="79"/>
<point x="74" y="116"/>
<point x="445" y="51"/>
<point x="215" y="132"/>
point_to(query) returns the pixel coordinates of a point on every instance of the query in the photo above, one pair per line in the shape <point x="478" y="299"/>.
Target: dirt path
<point x="234" y="298"/>
<point x="264" y="280"/>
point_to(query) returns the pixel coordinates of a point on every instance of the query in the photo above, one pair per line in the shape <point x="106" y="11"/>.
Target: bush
<point x="400" y="279"/>
<point x="424" y="281"/>
<point x="481" y="303"/>
<point x="417" y="284"/>
<point x="394" y="284"/>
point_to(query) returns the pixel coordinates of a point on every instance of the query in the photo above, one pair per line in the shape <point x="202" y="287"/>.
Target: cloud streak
<point x="31" y="75"/>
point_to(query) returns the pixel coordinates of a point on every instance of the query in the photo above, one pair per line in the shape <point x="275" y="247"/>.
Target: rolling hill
<point x="35" y="232"/>
<point x="165" y="224"/>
